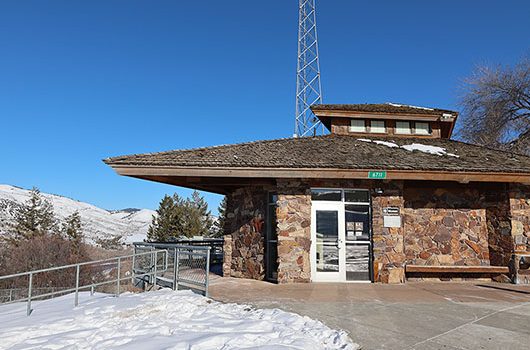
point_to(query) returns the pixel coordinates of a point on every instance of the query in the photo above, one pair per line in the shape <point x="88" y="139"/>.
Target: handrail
<point x="192" y="258"/>
<point x="171" y="245"/>
<point x="117" y="280"/>
<point x="183" y="249"/>
<point x="55" y="268"/>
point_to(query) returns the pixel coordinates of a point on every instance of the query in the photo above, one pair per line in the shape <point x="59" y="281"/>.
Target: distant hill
<point x="131" y="224"/>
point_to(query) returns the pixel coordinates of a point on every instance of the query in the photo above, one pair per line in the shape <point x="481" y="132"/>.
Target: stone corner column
<point x="293" y="215"/>
<point x="227" y="255"/>
<point x="388" y="242"/>
<point x="520" y="217"/>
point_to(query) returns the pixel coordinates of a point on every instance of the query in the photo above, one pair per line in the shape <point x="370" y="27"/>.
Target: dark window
<point x="326" y="195"/>
<point x="271" y="247"/>
<point x="356" y="196"/>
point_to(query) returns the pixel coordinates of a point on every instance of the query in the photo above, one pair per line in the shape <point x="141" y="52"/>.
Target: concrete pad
<point x="476" y="336"/>
<point x="508" y="321"/>
<point x="409" y="316"/>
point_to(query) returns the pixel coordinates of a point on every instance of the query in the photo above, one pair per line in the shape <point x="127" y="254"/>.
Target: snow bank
<point x="439" y="151"/>
<point x="161" y="320"/>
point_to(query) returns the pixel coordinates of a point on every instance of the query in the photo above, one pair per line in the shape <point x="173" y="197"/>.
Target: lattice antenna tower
<point x="308" y="87"/>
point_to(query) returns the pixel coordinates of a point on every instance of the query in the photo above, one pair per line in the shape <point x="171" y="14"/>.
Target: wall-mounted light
<point x="378" y="190"/>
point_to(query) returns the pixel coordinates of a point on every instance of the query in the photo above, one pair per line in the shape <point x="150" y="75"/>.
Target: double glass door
<point x="341" y="240"/>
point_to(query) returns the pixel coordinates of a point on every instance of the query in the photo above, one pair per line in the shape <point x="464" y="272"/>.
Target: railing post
<point x="91" y="290"/>
<point x="207" y="281"/>
<point x="30" y="286"/>
<point x="76" y="299"/>
<point x="154" y="271"/>
<point x="175" y="269"/>
<point x="133" y="264"/>
<point x="118" y="281"/>
<point x="10" y="295"/>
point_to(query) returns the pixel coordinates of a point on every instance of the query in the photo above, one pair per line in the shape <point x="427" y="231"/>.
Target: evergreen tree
<point x="35" y="218"/>
<point x="198" y="220"/>
<point x="169" y="219"/>
<point x="220" y="224"/>
<point x="73" y="230"/>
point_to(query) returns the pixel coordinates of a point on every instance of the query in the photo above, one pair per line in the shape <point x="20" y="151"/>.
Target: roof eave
<point x="321" y="173"/>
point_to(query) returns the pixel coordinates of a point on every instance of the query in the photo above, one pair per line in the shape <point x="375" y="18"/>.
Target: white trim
<point x="328" y="276"/>
<point x="340" y="207"/>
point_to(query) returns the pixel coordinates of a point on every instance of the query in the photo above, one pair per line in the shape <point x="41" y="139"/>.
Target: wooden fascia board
<point x="320" y="173"/>
<point x="380" y="115"/>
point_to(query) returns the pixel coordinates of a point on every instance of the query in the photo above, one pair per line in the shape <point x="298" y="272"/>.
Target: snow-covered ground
<point x="131" y="224"/>
<point x="160" y="320"/>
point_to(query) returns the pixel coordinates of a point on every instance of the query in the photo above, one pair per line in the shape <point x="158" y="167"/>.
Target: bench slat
<point x="457" y="269"/>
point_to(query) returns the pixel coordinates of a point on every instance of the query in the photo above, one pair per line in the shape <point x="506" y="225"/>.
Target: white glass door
<point x="327" y="242"/>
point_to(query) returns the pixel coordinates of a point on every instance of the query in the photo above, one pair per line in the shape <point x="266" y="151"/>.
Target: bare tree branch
<point x="496" y="107"/>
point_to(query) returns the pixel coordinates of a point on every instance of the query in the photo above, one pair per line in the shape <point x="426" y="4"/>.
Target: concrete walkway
<point x="411" y="316"/>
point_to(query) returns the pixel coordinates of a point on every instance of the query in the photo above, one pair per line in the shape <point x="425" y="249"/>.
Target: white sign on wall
<point x="391" y="221"/>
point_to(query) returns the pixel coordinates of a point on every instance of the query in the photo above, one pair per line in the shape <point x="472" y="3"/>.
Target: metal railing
<point x="215" y="244"/>
<point x="186" y="266"/>
<point x="105" y="265"/>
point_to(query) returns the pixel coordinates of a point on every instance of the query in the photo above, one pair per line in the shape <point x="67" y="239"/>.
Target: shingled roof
<point x="338" y="152"/>
<point x="393" y="108"/>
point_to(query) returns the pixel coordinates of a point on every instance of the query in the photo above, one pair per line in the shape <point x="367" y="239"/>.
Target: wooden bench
<point x="457" y="269"/>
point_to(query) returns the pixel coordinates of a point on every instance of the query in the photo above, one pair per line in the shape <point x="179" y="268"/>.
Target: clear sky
<point x="84" y="80"/>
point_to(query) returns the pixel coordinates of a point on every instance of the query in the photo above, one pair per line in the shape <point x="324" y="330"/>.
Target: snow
<point x="400" y="105"/>
<point x="439" y="151"/>
<point x="386" y="143"/>
<point x="162" y="319"/>
<point x="131" y="224"/>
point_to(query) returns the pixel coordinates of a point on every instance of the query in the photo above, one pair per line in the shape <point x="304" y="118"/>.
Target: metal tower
<point x="308" y="88"/>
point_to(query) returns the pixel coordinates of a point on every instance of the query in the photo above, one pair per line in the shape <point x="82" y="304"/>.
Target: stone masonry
<point x="294" y="235"/>
<point x="442" y="224"/>
<point x="244" y="238"/>
<point x="520" y="218"/>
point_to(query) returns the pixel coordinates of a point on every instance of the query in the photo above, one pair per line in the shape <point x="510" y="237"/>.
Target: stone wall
<point x="388" y="243"/>
<point x="293" y="215"/>
<point x="449" y="224"/>
<point x="245" y="228"/>
<point x="520" y="216"/>
<point x="498" y="218"/>
<point x="445" y="226"/>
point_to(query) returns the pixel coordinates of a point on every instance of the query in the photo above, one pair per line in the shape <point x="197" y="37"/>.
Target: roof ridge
<point x="111" y="159"/>
<point x="367" y="107"/>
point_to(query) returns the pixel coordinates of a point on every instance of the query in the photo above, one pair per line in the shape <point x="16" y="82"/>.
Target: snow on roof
<point x="410" y="106"/>
<point x="439" y="151"/>
<point x="379" y="142"/>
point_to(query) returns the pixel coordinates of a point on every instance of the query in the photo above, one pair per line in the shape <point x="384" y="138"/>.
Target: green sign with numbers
<point x="377" y="174"/>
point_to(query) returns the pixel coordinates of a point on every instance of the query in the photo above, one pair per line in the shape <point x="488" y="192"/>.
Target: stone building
<point x="386" y="195"/>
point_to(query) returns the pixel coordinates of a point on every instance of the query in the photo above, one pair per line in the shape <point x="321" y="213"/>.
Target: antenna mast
<point x="308" y="87"/>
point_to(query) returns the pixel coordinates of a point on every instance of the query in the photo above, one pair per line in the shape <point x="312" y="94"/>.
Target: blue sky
<point x="84" y="80"/>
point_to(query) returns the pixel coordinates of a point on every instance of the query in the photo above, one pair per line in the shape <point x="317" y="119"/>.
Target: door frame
<point x="339" y="276"/>
<point x="340" y="207"/>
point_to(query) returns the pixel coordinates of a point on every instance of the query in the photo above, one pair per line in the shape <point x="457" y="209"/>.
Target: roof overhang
<point x="218" y="179"/>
